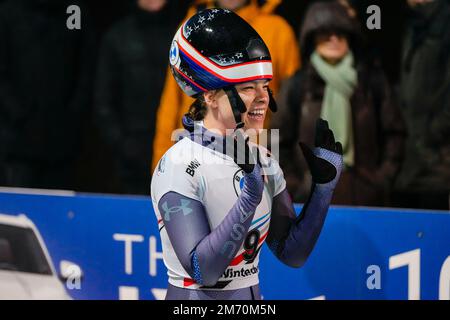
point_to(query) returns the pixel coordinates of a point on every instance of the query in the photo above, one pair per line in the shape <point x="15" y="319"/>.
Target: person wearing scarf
<point x="337" y="84"/>
<point x="341" y="80"/>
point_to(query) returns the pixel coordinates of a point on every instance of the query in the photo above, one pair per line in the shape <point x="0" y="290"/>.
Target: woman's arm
<point x="204" y="253"/>
<point x="292" y="238"/>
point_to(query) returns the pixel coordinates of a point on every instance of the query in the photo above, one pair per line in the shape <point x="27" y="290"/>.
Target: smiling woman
<point x="214" y="208"/>
<point x="219" y="115"/>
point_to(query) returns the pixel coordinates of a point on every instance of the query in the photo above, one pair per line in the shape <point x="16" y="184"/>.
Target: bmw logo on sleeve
<point x="238" y="181"/>
<point x="174" y="54"/>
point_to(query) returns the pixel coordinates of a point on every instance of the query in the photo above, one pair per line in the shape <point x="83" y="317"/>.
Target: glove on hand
<point x="322" y="171"/>
<point x="246" y="157"/>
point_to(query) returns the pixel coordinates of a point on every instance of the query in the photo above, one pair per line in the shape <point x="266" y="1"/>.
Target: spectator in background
<point x="130" y="77"/>
<point x="45" y="71"/>
<point x="424" y="181"/>
<point x="337" y="84"/>
<point x="276" y="33"/>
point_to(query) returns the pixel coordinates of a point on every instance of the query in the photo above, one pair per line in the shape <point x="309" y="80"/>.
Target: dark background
<point x="94" y="171"/>
<point x="385" y="46"/>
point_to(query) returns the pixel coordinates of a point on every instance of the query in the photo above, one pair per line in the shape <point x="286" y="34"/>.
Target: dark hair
<point x="197" y="110"/>
<point x="329" y="16"/>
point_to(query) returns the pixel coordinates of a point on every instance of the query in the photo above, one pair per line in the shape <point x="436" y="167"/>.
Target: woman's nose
<point x="262" y="94"/>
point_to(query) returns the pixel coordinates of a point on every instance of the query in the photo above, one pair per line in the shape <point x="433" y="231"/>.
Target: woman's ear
<point x="210" y="98"/>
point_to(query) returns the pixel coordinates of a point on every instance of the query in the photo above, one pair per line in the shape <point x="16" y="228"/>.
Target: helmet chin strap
<point x="272" y="103"/>
<point x="237" y="105"/>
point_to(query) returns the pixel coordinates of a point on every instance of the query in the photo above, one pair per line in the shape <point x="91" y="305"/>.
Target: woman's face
<point x="255" y="96"/>
<point x="331" y="46"/>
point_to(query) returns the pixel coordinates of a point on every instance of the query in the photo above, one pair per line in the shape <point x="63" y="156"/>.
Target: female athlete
<point x="216" y="207"/>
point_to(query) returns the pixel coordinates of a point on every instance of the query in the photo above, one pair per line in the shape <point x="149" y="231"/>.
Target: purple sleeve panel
<point x="292" y="238"/>
<point x="203" y="253"/>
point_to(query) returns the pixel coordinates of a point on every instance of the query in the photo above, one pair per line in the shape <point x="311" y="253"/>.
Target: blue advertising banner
<point x="362" y="253"/>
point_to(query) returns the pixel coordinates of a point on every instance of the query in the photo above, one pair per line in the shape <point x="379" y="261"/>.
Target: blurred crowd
<point x="93" y="109"/>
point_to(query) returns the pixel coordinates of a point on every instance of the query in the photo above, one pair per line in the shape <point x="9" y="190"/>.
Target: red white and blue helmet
<point x="215" y="49"/>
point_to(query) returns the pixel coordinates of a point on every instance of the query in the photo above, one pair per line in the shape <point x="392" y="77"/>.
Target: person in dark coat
<point x="45" y="72"/>
<point x="424" y="181"/>
<point x="130" y="77"/>
<point x="336" y="84"/>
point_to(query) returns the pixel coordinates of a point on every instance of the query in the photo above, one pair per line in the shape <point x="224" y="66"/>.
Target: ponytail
<point x="197" y="110"/>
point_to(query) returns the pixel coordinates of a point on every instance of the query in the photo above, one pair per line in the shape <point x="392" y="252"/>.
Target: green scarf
<point x="341" y="80"/>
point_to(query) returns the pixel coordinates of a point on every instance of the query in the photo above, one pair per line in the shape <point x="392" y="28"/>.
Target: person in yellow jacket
<point x="276" y="33"/>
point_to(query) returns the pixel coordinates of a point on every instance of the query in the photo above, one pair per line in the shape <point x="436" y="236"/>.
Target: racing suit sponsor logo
<point x="183" y="208"/>
<point x="238" y="181"/>
<point x="241" y="273"/>
<point x="190" y="170"/>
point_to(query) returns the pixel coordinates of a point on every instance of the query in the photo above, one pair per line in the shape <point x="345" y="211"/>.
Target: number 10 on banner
<point x="411" y="259"/>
